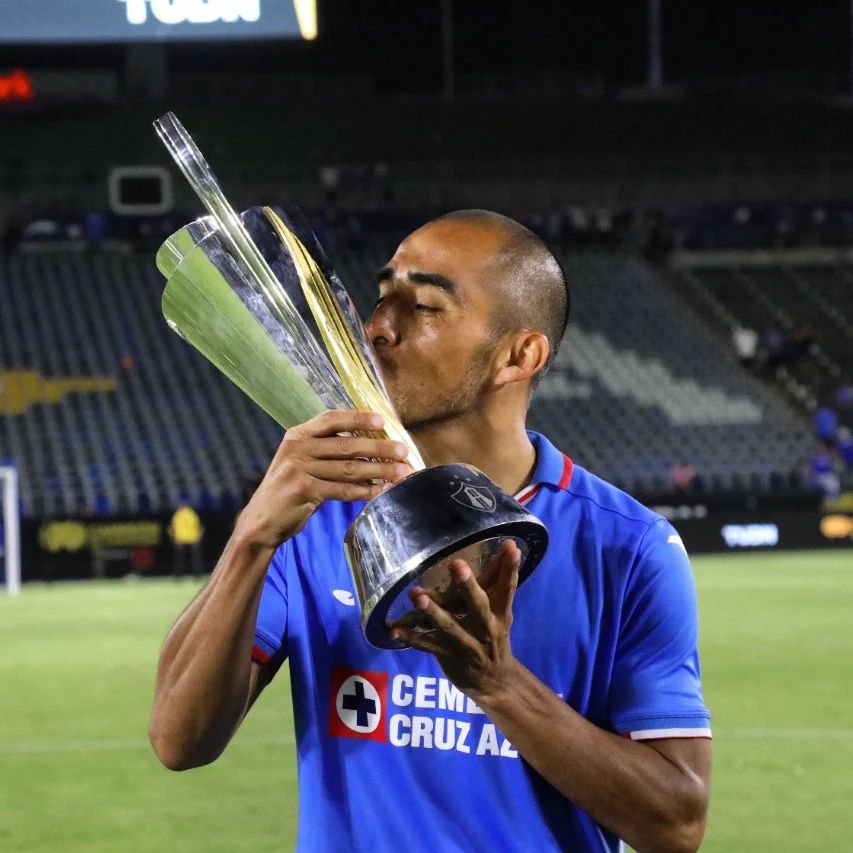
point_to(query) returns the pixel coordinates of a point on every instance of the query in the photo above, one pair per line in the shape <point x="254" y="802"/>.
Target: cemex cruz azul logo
<point x="358" y="704"/>
<point x="192" y="11"/>
<point x="410" y="712"/>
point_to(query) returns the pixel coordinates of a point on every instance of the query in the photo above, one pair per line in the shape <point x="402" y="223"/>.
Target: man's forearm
<point x="626" y="786"/>
<point x="205" y="678"/>
<point x="204" y="672"/>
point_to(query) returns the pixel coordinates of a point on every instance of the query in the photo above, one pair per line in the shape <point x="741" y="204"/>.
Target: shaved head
<point x="471" y="310"/>
<point x="527" y="278"/>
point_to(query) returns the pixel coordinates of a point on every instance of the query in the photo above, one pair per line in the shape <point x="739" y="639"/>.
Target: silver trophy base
<point x="408" y="536"/>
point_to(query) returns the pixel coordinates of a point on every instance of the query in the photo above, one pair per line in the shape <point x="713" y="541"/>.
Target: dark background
<point x="399" y="43"/>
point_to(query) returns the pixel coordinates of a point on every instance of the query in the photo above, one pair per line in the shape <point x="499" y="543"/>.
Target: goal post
<point x="10" y="529"/>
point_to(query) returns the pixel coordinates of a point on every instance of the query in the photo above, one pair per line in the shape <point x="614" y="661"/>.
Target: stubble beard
<point x="421" y="408"/>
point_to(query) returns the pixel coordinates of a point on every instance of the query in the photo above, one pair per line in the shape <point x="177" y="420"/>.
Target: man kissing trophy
<point x="257" y="296"/>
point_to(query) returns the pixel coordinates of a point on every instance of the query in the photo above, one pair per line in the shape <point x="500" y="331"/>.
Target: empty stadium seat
<point x="127" y="416"/>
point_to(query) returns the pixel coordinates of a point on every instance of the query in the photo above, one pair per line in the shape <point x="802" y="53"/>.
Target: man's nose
<point x="381" y="328"/>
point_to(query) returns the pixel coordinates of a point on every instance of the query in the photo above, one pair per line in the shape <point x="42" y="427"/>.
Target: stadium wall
<point x="706" y="528"/>
<point x="114" y="546"/>
<point x="76" y="548"/>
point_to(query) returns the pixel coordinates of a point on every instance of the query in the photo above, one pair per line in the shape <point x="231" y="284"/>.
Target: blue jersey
<point x="392" y="755"/>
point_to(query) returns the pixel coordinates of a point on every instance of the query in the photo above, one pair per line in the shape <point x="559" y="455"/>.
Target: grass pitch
<point x="76" y="673"/>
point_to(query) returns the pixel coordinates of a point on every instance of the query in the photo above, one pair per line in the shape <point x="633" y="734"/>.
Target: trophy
<point x="257" y="296"/>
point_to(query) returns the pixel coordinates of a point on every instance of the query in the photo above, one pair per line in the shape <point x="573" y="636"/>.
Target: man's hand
<point x="472" y="647"/>
<point x="653" y="795"/>
<point x="315" y="463"/>
<point x="206" y="681"/>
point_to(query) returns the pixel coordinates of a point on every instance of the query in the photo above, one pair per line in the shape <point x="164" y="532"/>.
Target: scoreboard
<point x="118" y="21"/>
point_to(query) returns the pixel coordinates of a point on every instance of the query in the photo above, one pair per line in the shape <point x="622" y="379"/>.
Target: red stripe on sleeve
<point x="260" y="655"/>
<point x="568" y="467"/>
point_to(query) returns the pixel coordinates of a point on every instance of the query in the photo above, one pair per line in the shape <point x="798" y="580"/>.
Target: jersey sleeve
<point x="656" y="690"/>
<point x="270" y="642"/>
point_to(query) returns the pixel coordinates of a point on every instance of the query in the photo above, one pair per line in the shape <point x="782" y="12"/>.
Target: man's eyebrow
<point x="434" y="279"/>
<point x="385" y="274"/>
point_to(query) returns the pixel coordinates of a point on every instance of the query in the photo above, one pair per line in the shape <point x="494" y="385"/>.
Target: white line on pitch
<point x="771" y="733"/>
<point x="252" y="741"/>
<point x="46" y="747"/>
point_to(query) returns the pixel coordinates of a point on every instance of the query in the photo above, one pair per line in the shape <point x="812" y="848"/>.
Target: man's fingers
<point x="438" y="616"/>
<point x="337" y="420"/>
<point x="502" y="593"/>
<point x="424" y="642"/>
<point x="328" y="491"/>
<point x="423" y="632"/>
<point x="415" y="618"/>
<point x="346" y="447"/>
<point x="477" y="604"/>
<point x="356" y="470"/>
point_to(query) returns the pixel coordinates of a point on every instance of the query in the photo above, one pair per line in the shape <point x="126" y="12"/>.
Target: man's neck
<point x="501" y="450"/>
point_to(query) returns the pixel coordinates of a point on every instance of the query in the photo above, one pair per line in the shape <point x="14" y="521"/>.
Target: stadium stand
<point x="659" y="390"/>
<point x="802" y="311"/>
<point x="168" y="425"/>
<point x="106" y="411"/>
<point x="474" y="151"/>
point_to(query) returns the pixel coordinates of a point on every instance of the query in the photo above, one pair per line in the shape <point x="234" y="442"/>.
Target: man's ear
<point x="523" y="355"/>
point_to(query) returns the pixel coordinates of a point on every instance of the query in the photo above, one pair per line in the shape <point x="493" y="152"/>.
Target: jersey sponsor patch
<point x="418" y="712"/>
<point x="358" y="704"/>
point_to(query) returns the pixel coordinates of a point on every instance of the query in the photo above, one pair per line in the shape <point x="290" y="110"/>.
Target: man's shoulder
<point x="573" y="486"/>
<point x="604" y="499"/>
